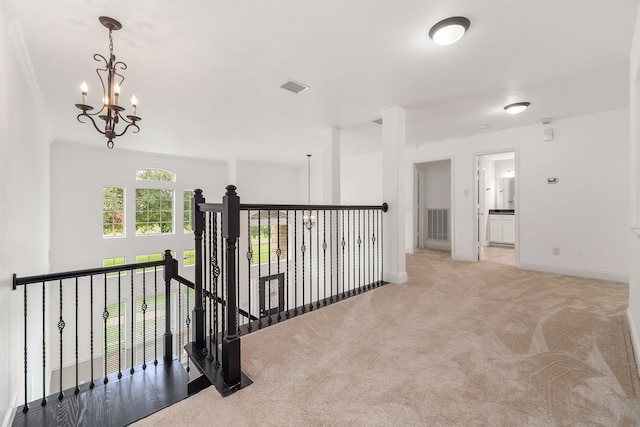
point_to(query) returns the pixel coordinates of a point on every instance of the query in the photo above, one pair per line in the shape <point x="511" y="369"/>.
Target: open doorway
<point x="495" y="221"/>
<point x="433" y="214"/>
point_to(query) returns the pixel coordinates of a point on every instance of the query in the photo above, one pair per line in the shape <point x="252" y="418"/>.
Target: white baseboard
<point x="589" y="273"/>
<point x="11" y="411"/>
<point x="440" y="246"/>
<point x="394" y="277"/>
<point x="635" y="338"/>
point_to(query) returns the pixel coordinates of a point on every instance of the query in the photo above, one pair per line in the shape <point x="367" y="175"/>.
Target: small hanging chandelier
<point x="308" y="218"/>
<point x="110" y="112"/>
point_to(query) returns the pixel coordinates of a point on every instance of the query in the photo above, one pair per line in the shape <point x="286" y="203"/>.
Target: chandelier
<point x="111" y="111"/>
<point x="308" y="219"/>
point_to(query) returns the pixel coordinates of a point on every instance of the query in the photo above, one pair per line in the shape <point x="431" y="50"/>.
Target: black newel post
<point x="170" y="270"/>
<point x="231" y="341"/>
<point x="198" y="224"/>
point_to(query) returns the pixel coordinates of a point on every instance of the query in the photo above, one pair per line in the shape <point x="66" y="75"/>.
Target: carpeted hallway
<point x="458" y="344"/>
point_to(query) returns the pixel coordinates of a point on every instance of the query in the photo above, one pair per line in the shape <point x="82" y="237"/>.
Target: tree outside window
<point x="154" y="211"/>
<point x="112" y="212"/>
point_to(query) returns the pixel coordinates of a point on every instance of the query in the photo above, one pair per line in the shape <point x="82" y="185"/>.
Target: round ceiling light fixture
<point x="450" y="30"/>
<point x="517" y="108"/>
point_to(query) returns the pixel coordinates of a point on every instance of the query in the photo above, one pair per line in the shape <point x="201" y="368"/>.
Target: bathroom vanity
<point x="502" y="226"/>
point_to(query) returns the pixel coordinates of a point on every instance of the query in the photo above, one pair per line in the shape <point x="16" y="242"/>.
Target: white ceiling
<point x="207" y="74"/>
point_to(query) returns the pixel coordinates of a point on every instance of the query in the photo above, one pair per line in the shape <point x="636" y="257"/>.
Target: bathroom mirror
<point x="505" y="196"/>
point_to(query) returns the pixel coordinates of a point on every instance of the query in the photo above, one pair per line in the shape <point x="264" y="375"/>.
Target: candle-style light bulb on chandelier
<point x="111" y="111"/>
<point x="308" y="218"/>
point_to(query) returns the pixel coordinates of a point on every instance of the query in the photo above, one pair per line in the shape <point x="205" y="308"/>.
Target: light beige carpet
<point x="464" y="344"/>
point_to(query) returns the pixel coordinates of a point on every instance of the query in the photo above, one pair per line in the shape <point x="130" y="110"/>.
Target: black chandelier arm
<point x="122" y="66"/>
<point x="131" y="124"/>
<point x="84" y="114"/>
<point x="98" y="57"/>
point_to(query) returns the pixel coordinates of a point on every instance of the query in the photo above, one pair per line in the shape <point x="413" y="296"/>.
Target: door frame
<point x="414" y="210"/>
<point x="475" y="205"/>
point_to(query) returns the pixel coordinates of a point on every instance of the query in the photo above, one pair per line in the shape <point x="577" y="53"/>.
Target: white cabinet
<point x="495" y="228"/>
<point x="508" y="229"/>
<point x="502" y="229"/>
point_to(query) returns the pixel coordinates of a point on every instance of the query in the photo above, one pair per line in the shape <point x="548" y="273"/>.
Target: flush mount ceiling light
<point x="517" y="108"/>
<point x="450" y="30"/>
<point x="110" y="112"/>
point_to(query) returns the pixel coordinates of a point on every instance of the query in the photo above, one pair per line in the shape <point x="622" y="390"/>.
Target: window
<point x="264" y="243"/>
<point x="188" y="197"/>
<point x="150" y="327"/>
<point x="189" y="257"/>
<point x="115" y="333"/>
<point x="110" y="262"/>
<point x="154" y="211"/>
<point x="150" y="257"/>
<point x="155" y="175"/>
<point x="112" y="212"/>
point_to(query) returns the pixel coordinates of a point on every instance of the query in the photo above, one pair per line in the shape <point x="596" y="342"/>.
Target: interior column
<point x="393" y="193"/>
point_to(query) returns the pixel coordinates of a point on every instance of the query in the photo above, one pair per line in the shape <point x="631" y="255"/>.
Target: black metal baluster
<point x="155" y="318"/>
<point x="278" y="253"/>
<point x="77" y="390"/>
<point x="44" y="345"/>
<point x="144" y="320"/>
<point x="133" y="321"/>
<point x="310" y="265"/>
<point x="25" y="408"/>
<point x="331" y="230"/>
<point x="238" y="282"/>
<point x="249" y="258"/>
<point x="223" y="283"/>
<point x="343" y="244"/>
<point x="337" y="230"/>
<point x="359" y="228"/>
<point x="382" y="247"/>
<point x="303" y="248"/>
<point x="216" y="274"/>
<point x="349" y="266"/>
<point x="260" y="295"/>
<point x="369" y="253"/>
<point x="188" y="323"/>
<point x="268" y="293"/>
<point x="180" y="313"/>
<point x="373" y="249"/>
<point x="91" y="384"/>
<point x="318" y="259"/>
<point x="212" y="334"/>
<point x="60" y="328"/>
<point x="324" y="254"/>
<point x="295" y="262"/>
<point x="120" y="328"/>
<point x="287" y="278"/>
<point x="105" y="316"/>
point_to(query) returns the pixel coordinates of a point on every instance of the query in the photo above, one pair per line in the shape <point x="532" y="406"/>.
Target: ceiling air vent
<point x="378" y="121"/>
<point x="294" y="86"/>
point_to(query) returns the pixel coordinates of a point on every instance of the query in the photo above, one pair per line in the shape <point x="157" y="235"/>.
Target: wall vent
<point x="294" y="86"/>
<point x="438" y="224"/>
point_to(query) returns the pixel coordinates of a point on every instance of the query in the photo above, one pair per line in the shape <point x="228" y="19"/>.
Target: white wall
<point x="634" y="193"/>
<point x="584" y="214"/>
<point x="361" y="180"/>
<point x="259" y="182"/>
<point x="24" y="209"/>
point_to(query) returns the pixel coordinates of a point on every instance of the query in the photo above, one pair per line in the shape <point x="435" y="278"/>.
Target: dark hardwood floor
<point x="118" y="403"/>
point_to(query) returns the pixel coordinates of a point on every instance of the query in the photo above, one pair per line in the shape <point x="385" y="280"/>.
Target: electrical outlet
<point x="556" y="251"/>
